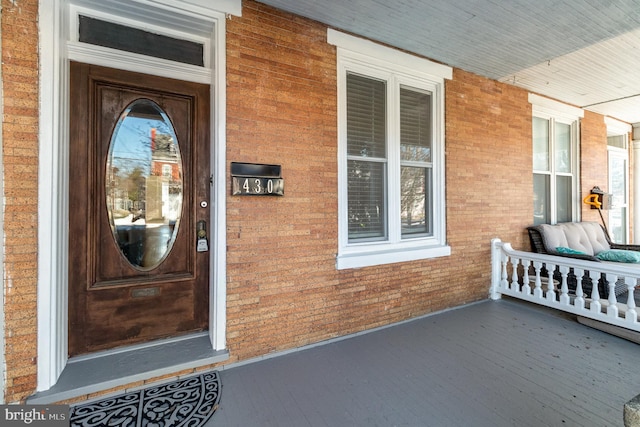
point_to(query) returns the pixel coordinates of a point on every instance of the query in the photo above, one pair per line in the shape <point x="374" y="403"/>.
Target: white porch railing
<point x="530" y="277"/>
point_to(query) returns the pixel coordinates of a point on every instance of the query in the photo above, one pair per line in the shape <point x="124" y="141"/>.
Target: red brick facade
<point x="283" y="289"/>
<point x="593" y="163"/>
<point x="20" y="181"/>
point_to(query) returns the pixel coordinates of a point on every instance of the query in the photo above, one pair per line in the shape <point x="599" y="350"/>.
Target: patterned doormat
<point x="185" y="402"/>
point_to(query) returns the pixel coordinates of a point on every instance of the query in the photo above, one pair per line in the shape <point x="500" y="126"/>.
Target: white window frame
<point x="557" y="112"/>
<point x="397" y="68"/>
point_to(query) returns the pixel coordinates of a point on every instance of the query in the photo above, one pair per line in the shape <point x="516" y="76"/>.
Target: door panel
<point x="112" y="300"/>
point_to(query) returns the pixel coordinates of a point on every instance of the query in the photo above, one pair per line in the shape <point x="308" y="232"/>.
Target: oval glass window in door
<point x="144" y="184"/>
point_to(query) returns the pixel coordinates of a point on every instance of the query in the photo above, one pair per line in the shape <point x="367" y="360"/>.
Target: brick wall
<point x="283" y="288"/>
<point x="593" y="160"/>
<point x="20" y="179"/>
<point x="489" y="175"/>
<point x="281" y="109"/>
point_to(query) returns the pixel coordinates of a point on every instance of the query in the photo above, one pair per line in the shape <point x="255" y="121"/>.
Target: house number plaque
<point x="252" y="185"/>
<point x="249" y="179"/>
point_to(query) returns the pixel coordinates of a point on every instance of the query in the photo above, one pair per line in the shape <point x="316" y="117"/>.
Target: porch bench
<point x="587" y="237"/>
<point x="579" y="240"/>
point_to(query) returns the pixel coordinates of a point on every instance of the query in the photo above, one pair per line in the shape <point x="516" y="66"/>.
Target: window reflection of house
<point x="164" y="183"/>
<point x="144" y="187"/>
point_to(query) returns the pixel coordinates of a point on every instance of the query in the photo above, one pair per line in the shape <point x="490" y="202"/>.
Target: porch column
<point x="636" y="183"/>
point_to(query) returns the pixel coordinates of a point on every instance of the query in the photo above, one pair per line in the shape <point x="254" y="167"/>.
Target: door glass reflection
<point x="144" y="184"/>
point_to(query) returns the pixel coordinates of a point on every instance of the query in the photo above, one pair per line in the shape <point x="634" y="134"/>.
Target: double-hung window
<point x="390" y="154"/>
<point x="555" y="161"/>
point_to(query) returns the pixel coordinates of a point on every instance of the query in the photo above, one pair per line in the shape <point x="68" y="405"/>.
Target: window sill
<point x="366" y="258"/>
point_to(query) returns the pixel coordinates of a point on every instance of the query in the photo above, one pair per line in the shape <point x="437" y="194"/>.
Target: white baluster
<point x="526" y="289"/>
<point x="551" y="293"/>
<point x="595" y="305"/>
<point x="631" y="315"/>
<point x="537" y="290"/>
<point x="579" y="301"/>
<point x="504" y="284"/>
<point x="564" y="288"/>
<point x="514" y="274"/>
<point x="612" y="307"/>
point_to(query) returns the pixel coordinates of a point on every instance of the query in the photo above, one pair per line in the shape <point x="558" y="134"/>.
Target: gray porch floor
<point x="494" y="363"/>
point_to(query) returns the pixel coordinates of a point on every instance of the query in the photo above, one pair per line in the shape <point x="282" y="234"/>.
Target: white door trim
<point x="619" y="154"/>
<point x="56" y="49"/>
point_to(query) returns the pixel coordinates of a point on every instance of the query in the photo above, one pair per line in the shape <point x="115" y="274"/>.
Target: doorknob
<point x="202" y="244"/>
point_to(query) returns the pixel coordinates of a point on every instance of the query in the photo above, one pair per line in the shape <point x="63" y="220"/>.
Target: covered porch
<point x="492" y="363"/>
<point x="278" y="96"/>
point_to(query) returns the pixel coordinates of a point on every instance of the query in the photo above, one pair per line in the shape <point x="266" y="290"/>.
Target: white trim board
<point x="394" y="56"/>
<point x="543" y="106"/>
<point x="617" y="127"/>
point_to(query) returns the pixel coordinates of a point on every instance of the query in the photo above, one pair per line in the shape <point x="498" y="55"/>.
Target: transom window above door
<point x="117" y="36"/>
<point x="134" y="37"/>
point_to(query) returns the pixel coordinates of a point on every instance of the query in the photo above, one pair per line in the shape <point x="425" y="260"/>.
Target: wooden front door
<point x="139" y="177"/>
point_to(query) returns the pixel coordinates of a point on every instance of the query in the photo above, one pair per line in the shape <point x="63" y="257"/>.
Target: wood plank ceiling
<point x="582" y="52"/>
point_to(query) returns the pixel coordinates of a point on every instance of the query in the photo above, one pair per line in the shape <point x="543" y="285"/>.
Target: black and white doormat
<point x="188" y="402"/>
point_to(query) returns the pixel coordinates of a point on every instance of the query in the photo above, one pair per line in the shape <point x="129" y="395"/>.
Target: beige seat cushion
<point x="587" y="237"/>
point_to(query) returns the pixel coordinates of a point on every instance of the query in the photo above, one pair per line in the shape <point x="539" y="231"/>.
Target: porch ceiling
<point x="583" y="52"/>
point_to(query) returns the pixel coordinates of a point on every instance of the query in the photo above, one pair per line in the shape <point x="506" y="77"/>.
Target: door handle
<point x="202" y="243"/>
